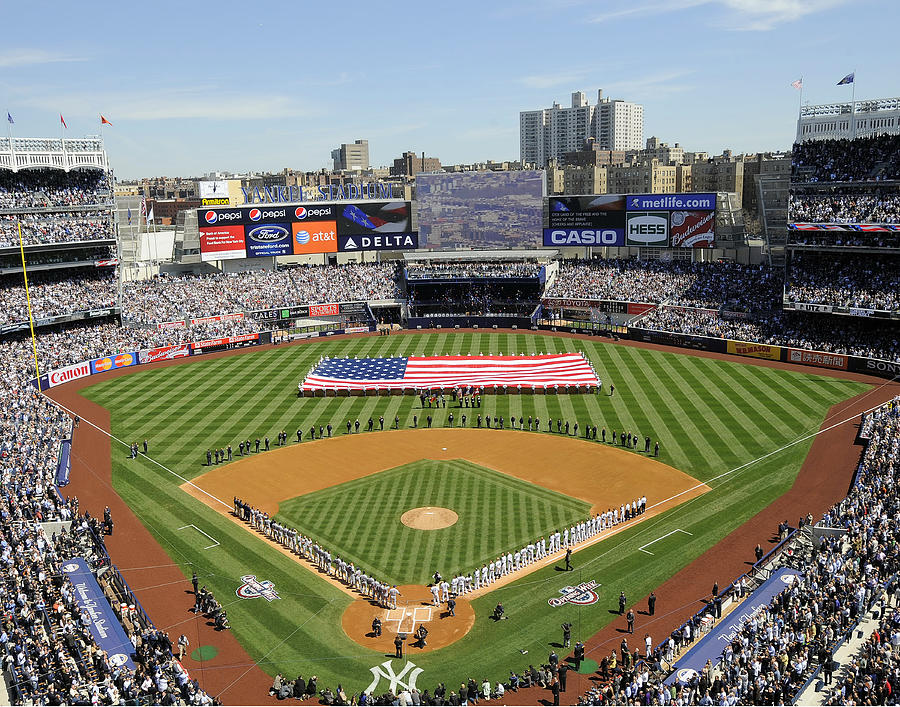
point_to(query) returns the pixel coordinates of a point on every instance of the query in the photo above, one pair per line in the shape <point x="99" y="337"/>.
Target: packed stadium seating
<point x="870" y="158"/>
<point x="55" y="293"/>
<point x="171" y="298"/>
<point x="710" y="285"/>
<point x="844" y="280"/>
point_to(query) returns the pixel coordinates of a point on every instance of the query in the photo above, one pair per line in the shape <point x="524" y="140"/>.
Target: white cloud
<point x="740" y="15"/>
<point x="169" y="103"/>
<point x="29" y="57"/>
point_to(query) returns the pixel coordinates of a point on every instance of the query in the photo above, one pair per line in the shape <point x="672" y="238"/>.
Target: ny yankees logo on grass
<point x="253" y="588"/>
<point x="386" y="671"/>
<point x="582" y="594"/>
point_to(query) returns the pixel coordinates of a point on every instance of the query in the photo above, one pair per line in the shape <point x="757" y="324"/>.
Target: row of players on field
<point x="386" y="595"/>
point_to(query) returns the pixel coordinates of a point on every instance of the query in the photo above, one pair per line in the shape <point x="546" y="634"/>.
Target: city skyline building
<point x="550" y="133"/>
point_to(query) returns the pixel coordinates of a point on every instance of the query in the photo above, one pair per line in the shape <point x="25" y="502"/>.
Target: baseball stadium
<point x="336" y="451"/>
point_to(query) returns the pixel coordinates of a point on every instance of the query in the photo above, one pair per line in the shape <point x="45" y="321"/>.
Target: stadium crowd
<point x="56" y="227"/>
<point x="844" y="208"/>
<point x="861" y="159"/>
<point x="712" y="285"/>
<point x="47" y="648"/>
<point x="838" y="334"/>
<point x="46" y="188"/>
<point x="778" y="649"/>
<point x="852" y="239"/>
<point x="446" y="271"/>
<point x="57" y="292"/>
<point x="844" y="280"/>
<point x="166" y="298"/>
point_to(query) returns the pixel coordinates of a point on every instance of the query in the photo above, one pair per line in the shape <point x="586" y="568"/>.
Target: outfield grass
<point x="709" y="416"/>
<point x="360" y="520"/>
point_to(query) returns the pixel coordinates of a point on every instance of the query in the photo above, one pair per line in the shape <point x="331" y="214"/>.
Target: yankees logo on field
<point x="581" y="595"/>
<point x="386" y="670"/>
<point x="253" y="588"/>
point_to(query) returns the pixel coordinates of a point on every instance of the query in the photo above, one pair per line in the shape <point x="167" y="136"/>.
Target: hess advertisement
<point x="286" y="229"/>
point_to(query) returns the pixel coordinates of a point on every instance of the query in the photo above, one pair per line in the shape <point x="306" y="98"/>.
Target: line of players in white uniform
<point x="386" y="595"/>
<point x="383" y="594"/>
<point x="511" y="562"/>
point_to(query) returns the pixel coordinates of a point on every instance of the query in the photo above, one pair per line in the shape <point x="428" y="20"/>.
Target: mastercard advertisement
<point x="111" y="363"/>
<point x="315" y="237"/>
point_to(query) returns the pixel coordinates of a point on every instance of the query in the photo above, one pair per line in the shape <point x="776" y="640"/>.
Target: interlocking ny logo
<point x="386" y="671"/>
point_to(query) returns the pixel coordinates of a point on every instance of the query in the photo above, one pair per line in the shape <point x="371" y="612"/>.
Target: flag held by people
<point x="432" y="372"/>
<point x="849" y="78"/>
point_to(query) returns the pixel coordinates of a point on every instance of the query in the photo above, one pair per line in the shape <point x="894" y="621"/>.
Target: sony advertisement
<point x="643" y="220"/>
<point x="291" y="229"/>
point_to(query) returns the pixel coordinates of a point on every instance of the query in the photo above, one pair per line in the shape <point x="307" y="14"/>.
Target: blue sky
<point x="196" y="87"/>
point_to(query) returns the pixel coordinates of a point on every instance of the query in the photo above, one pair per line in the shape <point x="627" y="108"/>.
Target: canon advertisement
<point x="654" y="220"/>
<point x="288" y="229"/>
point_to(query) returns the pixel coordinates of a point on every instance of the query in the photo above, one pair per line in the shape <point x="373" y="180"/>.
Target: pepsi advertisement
<point x="268" y="240"/>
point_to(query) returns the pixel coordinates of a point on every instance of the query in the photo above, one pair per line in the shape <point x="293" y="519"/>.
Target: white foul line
<point x="208" y="547"/>
<point x="144" y="456"/>
<point x="677" y="530"/>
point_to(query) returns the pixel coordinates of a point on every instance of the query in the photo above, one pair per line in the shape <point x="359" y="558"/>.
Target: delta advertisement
<point x="267" y="231"/>
<point x="654" y="220"/>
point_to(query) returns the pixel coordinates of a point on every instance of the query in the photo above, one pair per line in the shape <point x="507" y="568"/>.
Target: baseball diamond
<point x="741" y="429"/>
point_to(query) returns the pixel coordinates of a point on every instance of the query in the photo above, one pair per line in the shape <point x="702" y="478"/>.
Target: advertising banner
<point x="315" y="237"/>
<point x="387" y="241"/>
<point x="323" y="310"/>
<point x="693" y="229"/>
<point x="817" y="358"/>
<point x="352" y="307"/>
<point x="266" y="241"/>
<point x="709" y="648"/>
<point x="806" y="307"/>
<point x="164" y="353"/>
<point x="647" y="229"/>
<point x="639" y="307"/>
<point x="600" y="211"/>
<point x="743" y="348"/>
<point x="874" y="367"/>
<point x="222" y="243"/>
<point x="69" y="373"/>
<point x="224" y="341"/>
<point x="670" y="202"/>
<point x="218" y="318"/>
<point x="216" y="201"/>
<point x="111" y="363"/>
<point x="375" y="218"/>
<point x="560" y="237"/>
<point x="102" y="621"/>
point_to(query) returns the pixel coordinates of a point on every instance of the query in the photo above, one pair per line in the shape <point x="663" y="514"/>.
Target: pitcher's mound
<point x="429" y="518"/>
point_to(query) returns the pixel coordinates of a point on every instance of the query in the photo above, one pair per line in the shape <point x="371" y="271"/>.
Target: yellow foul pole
<point x="37" y="371"/>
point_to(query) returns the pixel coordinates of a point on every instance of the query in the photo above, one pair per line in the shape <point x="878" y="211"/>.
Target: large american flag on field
<point x="448" y="372"/>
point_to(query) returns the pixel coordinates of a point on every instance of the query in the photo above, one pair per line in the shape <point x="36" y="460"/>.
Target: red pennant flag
<point x="104" y="121"/>
<point x="63" y="121"/>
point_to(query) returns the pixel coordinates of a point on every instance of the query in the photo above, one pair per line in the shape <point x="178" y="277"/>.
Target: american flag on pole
<point x="448" y="372"/>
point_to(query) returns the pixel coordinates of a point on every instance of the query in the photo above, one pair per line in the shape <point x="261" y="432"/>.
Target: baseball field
<point x="732" y="438"/>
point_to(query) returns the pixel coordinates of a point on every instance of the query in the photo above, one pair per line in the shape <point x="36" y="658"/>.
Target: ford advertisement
<point x="267" y="240"/>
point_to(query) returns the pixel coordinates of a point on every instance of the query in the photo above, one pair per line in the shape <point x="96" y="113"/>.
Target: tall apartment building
<point x="550" y="133"/>
<point x="834" y="121"/>
<point x="647" y="178"/>
<point x="351" y="156"/>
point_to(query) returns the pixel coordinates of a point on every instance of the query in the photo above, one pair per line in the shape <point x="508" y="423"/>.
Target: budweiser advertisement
<point x="165" y="353"/>
<point x="693" y="229"/>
